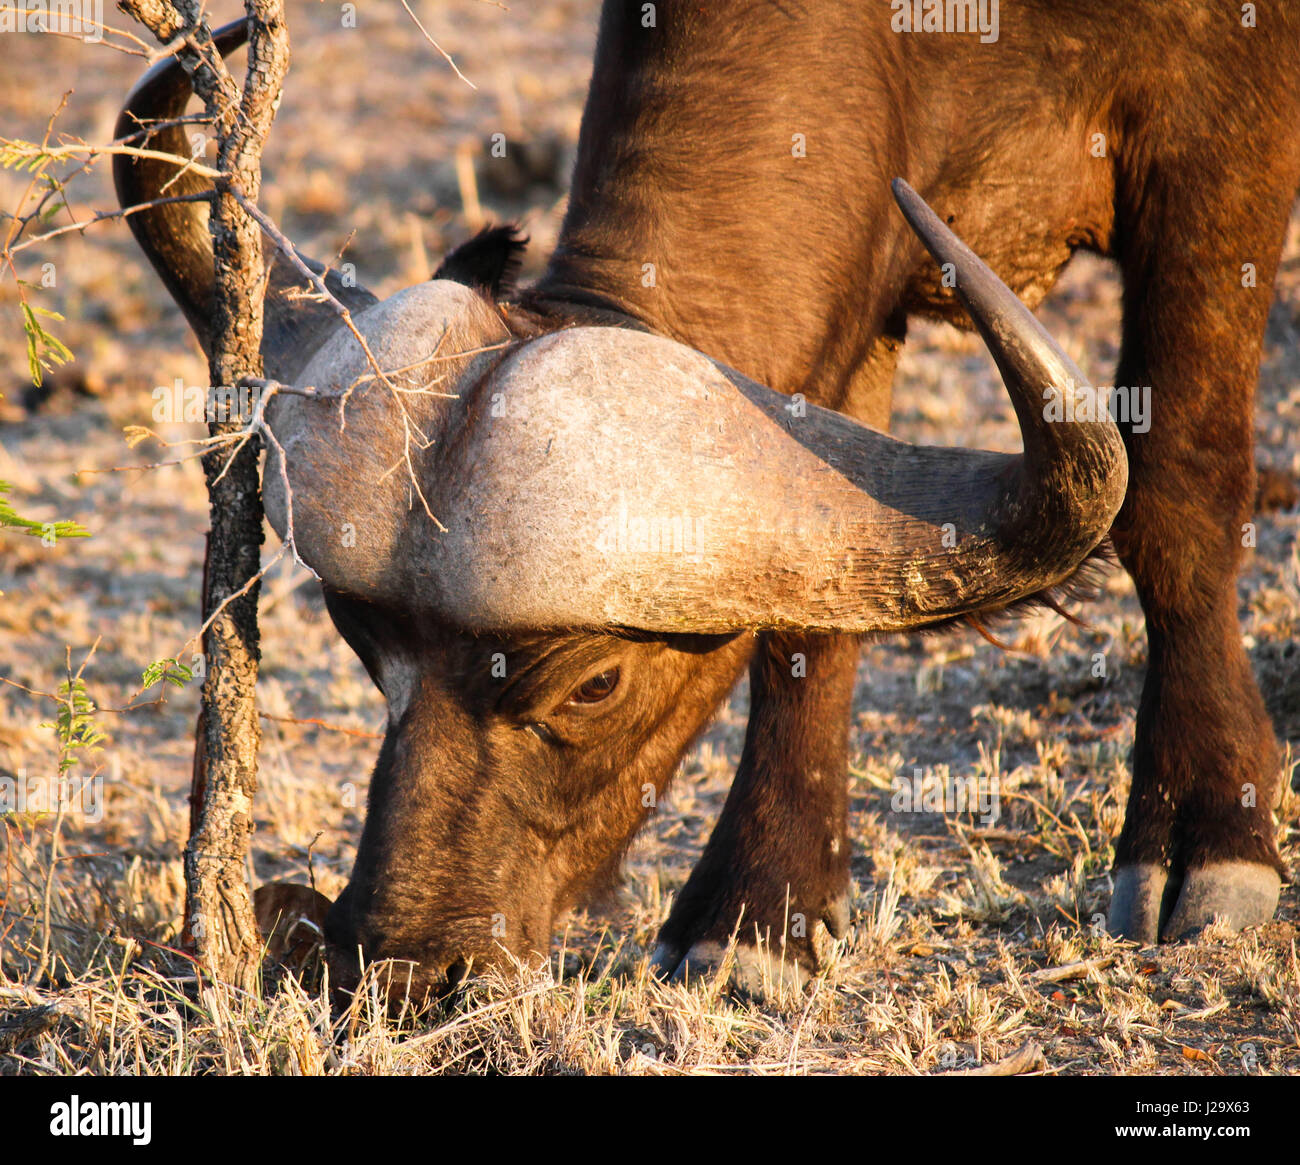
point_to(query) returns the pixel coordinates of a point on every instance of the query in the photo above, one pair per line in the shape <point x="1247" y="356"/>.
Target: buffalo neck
<point x="718" y="195"/>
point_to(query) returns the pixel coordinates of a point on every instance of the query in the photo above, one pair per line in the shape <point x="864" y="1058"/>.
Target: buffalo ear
<point x="489" y="262"/>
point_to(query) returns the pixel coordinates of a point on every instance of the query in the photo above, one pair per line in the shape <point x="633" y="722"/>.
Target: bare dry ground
<point x="956" y="923"/>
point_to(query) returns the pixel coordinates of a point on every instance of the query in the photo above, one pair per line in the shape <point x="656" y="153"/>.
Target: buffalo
<point x="580" y="509"/>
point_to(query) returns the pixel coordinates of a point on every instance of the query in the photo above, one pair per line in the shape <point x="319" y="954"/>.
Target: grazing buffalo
<point x="572" y="529"/>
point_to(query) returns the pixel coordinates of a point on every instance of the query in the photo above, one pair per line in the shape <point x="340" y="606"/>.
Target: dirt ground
<point x="954" y="920"/>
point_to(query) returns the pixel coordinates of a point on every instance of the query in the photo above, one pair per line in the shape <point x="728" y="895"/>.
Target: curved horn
<point x="618" y="478"/>
<point x="1059" y="460"/>
<point x="175" y="237"/>
<point x="599" y="477"/>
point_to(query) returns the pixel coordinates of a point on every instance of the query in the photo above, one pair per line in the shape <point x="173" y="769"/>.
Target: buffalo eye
<point x="596" y="688"/>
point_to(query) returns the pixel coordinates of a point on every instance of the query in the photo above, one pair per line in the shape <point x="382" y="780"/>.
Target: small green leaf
<point x="167" y="670"/>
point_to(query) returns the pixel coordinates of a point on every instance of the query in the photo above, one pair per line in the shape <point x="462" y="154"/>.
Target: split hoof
<point x="1240" y="893"/>
<point x="1140" y="903"/>
<point x="1150" y="904"/>
<point x="759" y="972"/>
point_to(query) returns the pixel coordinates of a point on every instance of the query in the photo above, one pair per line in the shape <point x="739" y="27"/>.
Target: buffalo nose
<point x="343" y="947"/>
<point x="349" y="949"/>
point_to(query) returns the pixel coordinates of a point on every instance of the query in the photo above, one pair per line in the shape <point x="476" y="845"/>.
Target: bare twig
<point x="1027" y="1058"/>
<point x="142" y="49"/>
<point x="1068" y="971"/>
<point x="317" y="723"/>
<point x="20" y="149"/>
<point x="446" y="56"/>
<point x="384" y="376"/>
<point x="107" y="216"/>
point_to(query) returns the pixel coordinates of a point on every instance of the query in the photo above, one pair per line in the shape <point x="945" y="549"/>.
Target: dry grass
<point x="953" y="917"/>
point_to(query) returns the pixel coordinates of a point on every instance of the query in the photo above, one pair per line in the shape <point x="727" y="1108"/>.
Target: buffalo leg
<point x="1198" y="838"/>
<point x="778" y="859"/>
<point x="780" y="850"/>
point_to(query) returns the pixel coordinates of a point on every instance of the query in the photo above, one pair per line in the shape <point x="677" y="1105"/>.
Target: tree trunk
<point x="219" y="920"/>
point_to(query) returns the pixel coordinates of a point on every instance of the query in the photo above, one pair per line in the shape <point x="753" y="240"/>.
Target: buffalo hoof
<point x="765" y="970"/>
<point x="1239" y="893"/>
<point x="1148" y="904"/>
<point x="1138" y="905"/>
<point x="759" y="972"/>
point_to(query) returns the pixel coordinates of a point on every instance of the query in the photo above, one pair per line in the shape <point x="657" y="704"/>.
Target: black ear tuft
<point x="489" y="262"/>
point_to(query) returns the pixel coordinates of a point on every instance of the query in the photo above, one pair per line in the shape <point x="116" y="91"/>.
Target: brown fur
<point x="496" y="802"/>
<point x="808" y="288"/>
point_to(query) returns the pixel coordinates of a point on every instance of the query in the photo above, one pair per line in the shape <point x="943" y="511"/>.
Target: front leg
<point x="780" y="849"/>
<point x="1198" y="839"/>
<point x="778" y="858"/>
